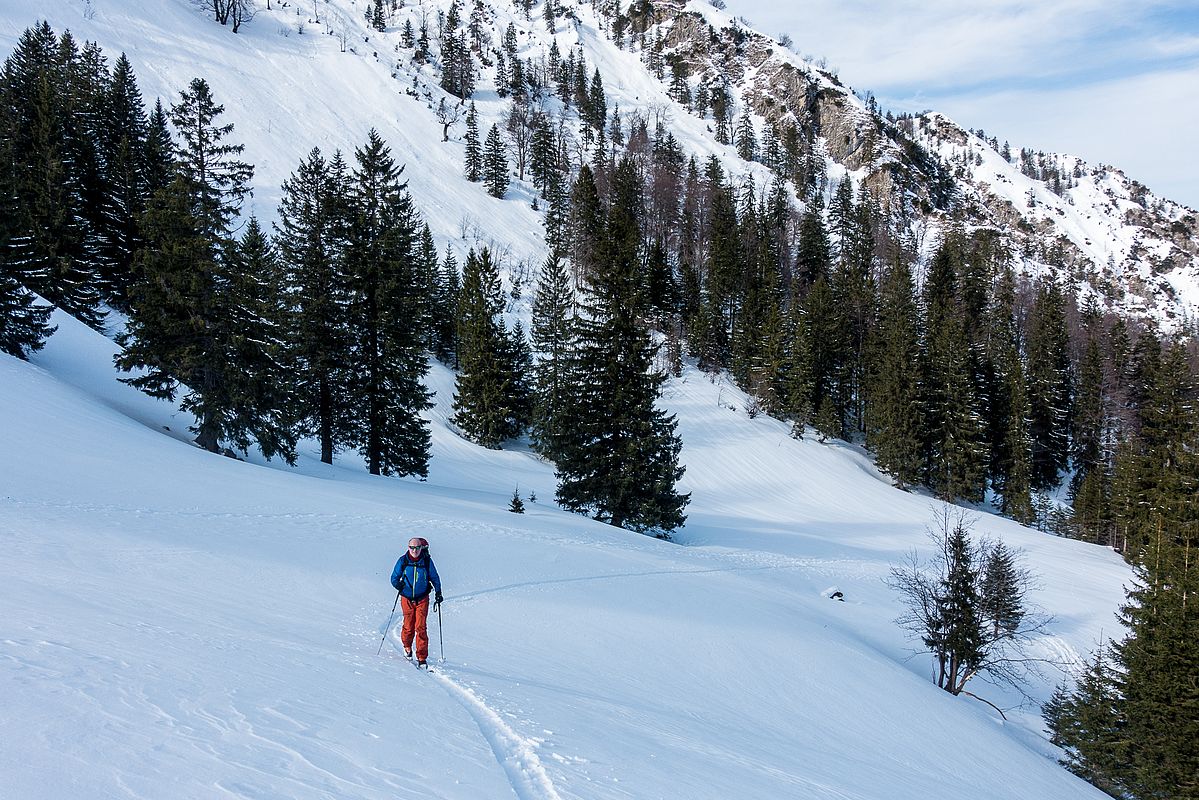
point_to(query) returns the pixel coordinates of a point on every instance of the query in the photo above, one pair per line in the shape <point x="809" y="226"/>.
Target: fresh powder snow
<point x="175" y="624"/>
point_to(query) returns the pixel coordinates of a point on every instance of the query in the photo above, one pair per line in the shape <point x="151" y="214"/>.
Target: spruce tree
<point x="958" y="640"/>
<point x="310" y="238"/>
<point x="159" y="154"/>
<point x="262" y="403"/>
<point x="798" y="366"/>
<point x="1086" y="723"/>
<point x="619" y="461"/>
<point x="24" y="322"/>
<point x="51" y="247"/>
<point x="485" y="397"/>
<point x="813" y="257"/>
<point x="124" y="141"/>
<point x="1049" y="385"/>
<point x="203" y="310"/>
<point x="586" y="225"/>
<point x="893" y="422"/>
<point x="448" y="296"/>
<point x="724" y="265"/>
<point x="1016" y="486"/>
<point x="824" y="345"/>
<point x="386" y="313"/>
<point x="495" y="164"/>
<point x="747" y="140"/>
<point x="956" y="452"/>
<point x="1159" y="701"/>
<point x="474" y="150"/>
<point x="553" y="306"/>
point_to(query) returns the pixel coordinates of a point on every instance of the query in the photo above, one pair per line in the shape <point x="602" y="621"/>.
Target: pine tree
<point x="956" y="448"/>
<point x="495" y="164"/>
<point x="474" y="150"/>
<point x="516" y="505"/>
<point x="1049" y="385"/>
<point x="386" y="315"/>
<point x="485" y="396"/>
<point x="50" y="247"/>
<point x="198" y="320"/>
<point x="553" y="306"/>
<point x="893" y="423"/>
<point x="619" y="462"/>
<point x="310" y="238"/>
<point x="124" y="143"/>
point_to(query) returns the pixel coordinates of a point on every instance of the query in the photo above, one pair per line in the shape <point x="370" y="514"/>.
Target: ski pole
<point x="389" y="619"/>
<point x="440" y="636"/>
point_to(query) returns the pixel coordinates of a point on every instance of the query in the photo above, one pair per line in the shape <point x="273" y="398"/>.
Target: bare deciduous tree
<point x="518" y="129"/>
<point x="448" y="115"/>
<point x="233" y="12"/>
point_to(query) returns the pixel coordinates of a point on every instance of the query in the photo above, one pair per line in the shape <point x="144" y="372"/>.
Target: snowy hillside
<point x="300" y="75"/>
<point x="183" y="625"/>
<point x="1127" y="248"/>
<point x="177" y="624"/>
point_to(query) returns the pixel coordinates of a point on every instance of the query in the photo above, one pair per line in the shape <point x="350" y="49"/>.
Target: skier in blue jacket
<point x="415" y="577"/>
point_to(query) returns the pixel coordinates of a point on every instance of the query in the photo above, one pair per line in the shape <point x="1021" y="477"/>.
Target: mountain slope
<point x="292" y="80"/>
<point x="185" y="624"/>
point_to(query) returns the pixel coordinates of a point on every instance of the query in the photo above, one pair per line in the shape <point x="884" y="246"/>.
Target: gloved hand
<point x="437" y="600"/>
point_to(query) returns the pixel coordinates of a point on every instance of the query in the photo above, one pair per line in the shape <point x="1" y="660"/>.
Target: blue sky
<point x="1111" y="81"/>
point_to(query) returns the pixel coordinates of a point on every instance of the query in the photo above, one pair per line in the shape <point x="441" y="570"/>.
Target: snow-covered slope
<point x="303" y="74"/>
<point x="178" y="624"/>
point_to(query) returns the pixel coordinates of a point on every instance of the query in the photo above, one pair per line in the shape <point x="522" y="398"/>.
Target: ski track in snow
<point x="516" y="754"/>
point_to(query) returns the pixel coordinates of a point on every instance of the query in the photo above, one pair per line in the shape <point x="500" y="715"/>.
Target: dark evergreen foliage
<point x="495" y="164"/>
<point x="894" y="423"/>
<point x="51" y="245"/>
<point x="387" y="305"/>
<point x="553" y="307"/>
<point x="619" y="461"/>
<point x="310" y="237"/>
<point x="486" y="397"/>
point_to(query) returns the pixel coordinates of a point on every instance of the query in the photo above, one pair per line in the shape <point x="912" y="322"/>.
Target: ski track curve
<point x="515" y="753"/>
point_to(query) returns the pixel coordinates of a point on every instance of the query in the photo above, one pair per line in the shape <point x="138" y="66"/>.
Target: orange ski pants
<point x="416" y="618"/>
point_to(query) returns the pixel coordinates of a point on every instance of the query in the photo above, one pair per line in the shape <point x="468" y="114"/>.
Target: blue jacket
<point x="411" y="577"/>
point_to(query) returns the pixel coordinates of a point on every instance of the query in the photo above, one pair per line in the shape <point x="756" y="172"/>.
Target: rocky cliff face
<point x="1099" y="231"/>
